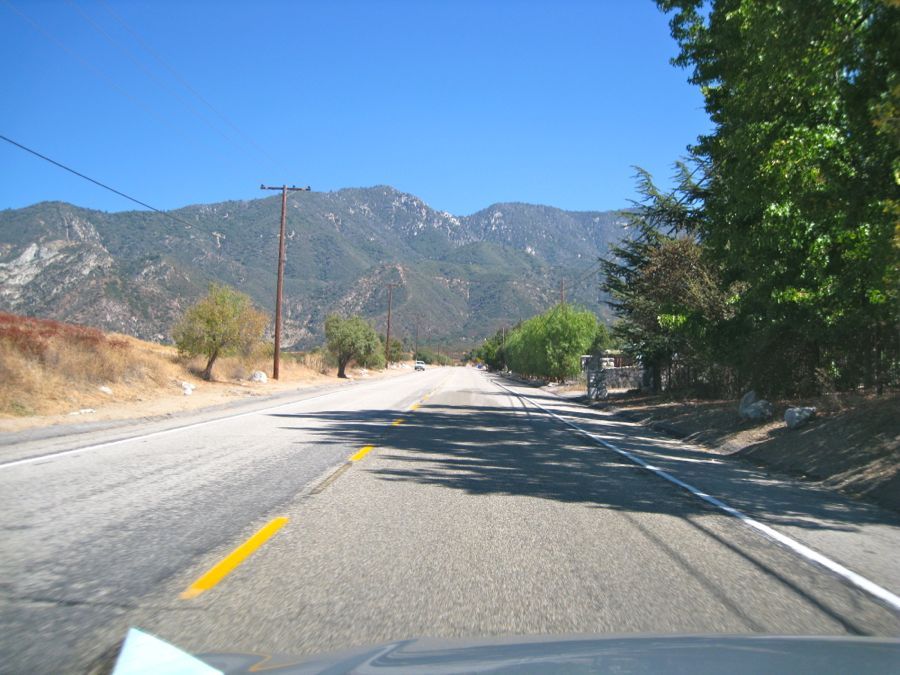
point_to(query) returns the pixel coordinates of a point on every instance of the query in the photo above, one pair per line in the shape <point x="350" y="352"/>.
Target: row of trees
<point x="548" y="345"/>
<point x="774" y="261"/>
<point x="225" y="323"/>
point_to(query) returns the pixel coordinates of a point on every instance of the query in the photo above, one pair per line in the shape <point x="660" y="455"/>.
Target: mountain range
<point x="458" y="277"/>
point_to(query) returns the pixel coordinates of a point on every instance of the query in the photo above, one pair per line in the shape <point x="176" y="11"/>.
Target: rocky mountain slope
<point x="460" y="278"/>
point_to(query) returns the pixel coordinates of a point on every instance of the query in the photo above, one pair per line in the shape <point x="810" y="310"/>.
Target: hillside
<point x="461" y="277"/>
<point x="60" y="373"/>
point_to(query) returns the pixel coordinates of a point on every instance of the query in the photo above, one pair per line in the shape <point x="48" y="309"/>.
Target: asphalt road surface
<point x="467" y="510"/>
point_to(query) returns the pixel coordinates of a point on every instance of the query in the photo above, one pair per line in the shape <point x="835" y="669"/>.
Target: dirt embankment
<point x="852" y="445"/>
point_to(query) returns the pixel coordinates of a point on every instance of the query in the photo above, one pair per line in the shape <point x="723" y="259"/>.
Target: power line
<point x="106" y="79"/>
<point x="94" y="181"/>
<point x="184" y="83"/>
<point x="591" y="272"/>
<point x="149" y="73"/>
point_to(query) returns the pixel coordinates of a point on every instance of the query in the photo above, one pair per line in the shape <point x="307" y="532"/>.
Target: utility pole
<point x="416" y="356"/>
<point x="387" y="341"/>
<point x="503" y="347"/>
<point x="280" y="284"/>
<point x="562" y="292"/>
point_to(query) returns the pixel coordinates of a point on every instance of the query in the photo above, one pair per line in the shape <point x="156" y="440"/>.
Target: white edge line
<point x="162" y="432"/>
<point x="802" y="550"/>
<point x="107" y="444"/>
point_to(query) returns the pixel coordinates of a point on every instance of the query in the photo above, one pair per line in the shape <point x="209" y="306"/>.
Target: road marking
<point x="225" y="566"/>
<point x="397" y="423"/>
<point x="362" y="453"/>
<point x="857" y="580"/>
<point x="163" y="432"/>
<point x="414" y="406"/>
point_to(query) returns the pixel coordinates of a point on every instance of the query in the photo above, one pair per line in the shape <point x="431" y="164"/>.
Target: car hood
<point x="591" y="654"/>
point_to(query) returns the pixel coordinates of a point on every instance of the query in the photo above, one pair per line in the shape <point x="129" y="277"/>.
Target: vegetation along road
<point x="449" y="503"/>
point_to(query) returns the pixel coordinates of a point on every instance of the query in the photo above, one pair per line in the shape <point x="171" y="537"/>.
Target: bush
<point x="349" y="339"/>
<point x="547" y="345"/>
<point x="220" y="324"/>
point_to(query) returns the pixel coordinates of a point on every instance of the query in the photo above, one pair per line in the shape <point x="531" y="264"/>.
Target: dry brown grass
<point x="48" y="365"/>
<point x="50" y="368"/>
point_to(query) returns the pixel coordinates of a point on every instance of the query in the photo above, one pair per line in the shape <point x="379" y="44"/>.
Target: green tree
<point x="567" y="334"/>
<point x="349" y="339"/>
<point x="491" y="351"/>
<point x="602" y="341"/>
<point x="398" y="351"/>
<point x="549" y="344"/>
<point x="669" y="297"/>
<point x="801" y="181"/>
<point x="222" y="323"/>
<point x="431" y="357"/>
<point x="373" y="360"/>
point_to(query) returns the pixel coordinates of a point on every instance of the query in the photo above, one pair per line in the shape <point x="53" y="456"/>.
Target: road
<point x="469" y="510"/>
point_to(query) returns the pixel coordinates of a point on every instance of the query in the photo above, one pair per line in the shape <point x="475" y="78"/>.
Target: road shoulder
<point x="863" y="537"/>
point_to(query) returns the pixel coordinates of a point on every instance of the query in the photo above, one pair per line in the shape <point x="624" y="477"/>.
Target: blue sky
<point x="463" y="104"/>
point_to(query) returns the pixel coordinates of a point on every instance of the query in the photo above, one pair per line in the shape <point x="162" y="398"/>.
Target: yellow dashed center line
<point x="362" y="453"/>
<point x="225" y="566"/>
<point x="228" y="564"/>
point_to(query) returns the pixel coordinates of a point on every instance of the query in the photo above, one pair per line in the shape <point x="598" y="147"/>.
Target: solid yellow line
<point x="414" y="406"/>
<point x="397" y="422"/>
<point x="225" y="566"/>
<point x="362" y="453"/>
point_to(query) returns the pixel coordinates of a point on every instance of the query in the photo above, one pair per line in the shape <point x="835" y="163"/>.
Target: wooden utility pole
<point x="416" y="356"/>
<point x="280" y="283"/>
<point x="387" y="341"/>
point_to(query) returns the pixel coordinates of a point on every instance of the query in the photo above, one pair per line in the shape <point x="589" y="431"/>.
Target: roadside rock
<point x="258" y="376"/>
<point x="797" y="417"/>
<point x="754" y="411"/>
<point x="747" y="400"/>
<point x="759" y="411"/>
<point x="187" y="388"/>
<point x="105" y="390"/>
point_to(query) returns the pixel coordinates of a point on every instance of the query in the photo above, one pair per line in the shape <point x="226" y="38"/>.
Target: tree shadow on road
<point x="486" y="449"/>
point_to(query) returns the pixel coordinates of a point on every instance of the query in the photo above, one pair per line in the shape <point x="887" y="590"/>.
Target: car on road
<point x="420" y="365"/>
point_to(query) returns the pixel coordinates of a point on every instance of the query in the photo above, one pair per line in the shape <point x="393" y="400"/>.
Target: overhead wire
<point x="149" y="73"/>
<point x="95" y="181"/>
<point x="106" y="79"/>
<point x="187" y="85"/>
<point x="590" y="271"/>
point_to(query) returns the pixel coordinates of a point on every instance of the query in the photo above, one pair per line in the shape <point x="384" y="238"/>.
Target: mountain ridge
<point x="460" y="277"/>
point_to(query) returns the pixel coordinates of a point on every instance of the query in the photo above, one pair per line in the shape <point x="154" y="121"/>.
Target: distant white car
<point x="420" y="365"/>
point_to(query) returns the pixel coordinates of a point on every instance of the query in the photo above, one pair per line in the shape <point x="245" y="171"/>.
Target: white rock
<point x="755" y="411"/>
<point x="258" y="376"/>
<point x="797" y="417"/>
<point x="759" y="411"/>
<point x="747" y="400"/>
<point x="187" y="388"/>
<point x="106" y="390"/>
